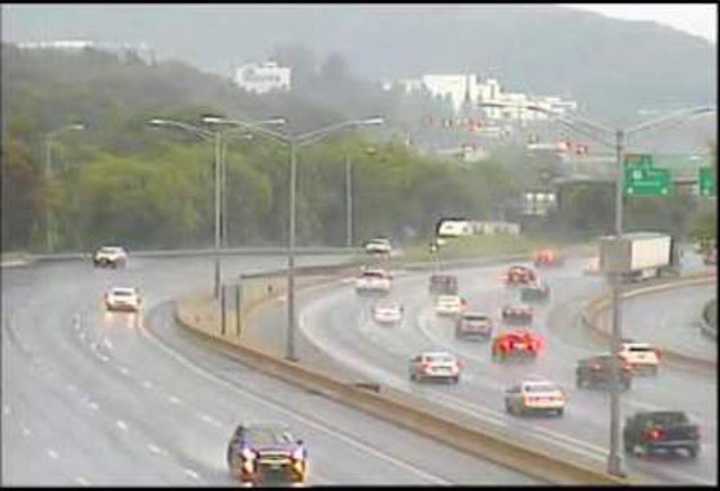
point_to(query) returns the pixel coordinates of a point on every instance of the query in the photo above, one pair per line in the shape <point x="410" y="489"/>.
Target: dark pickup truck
<point x="443" y="284"/>
<point x="667" y="431"/>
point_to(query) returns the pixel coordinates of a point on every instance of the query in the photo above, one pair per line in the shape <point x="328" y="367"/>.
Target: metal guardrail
<point x="590" y="315"/>
<point x="250" y="251"/>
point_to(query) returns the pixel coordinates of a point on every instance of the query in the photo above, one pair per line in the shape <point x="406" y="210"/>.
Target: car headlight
<point x="247" y="453"/>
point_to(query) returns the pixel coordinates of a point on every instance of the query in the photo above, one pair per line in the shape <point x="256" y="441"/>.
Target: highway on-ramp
<point x="92" y="398"/>
<point x="339" y="323"/>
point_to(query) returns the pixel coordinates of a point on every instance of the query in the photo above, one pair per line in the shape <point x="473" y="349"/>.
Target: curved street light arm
<point x="316" y="135"/>
<point x="252" y="127"/>
<point x="671" y="119"/>
<point x="185" y="126"/>
<point x="64" y="129"/>
<point x="575" y="126"/>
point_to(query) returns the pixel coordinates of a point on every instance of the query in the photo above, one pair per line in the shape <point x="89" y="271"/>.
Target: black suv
<point x="668" y="431"/>
<point x="597" y="370"/>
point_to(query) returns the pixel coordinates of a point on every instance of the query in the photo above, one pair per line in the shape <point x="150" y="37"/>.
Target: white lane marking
<point x="52" y="453"/>
<point x="71" y="387"/>
<point x="82" y="481"/>
<point x="211" y="420"/>
<point x="121" y="424"/>
<point x="484" y="414"/>
<point x="124" y="370"/>
<point x="82" y="335"/>
<point x="155" y="449"/>
<point x="174" y="400"/>
<point x="107" y="343"/>
<point x="293" y="415"/>
<point x="6" y="410"/>
<point x="104" y="358"/>
<point x="93" y="405"/>
<point x="192" y="473"/>
<point x="147" y="384"/>
<point x="26" y="431"/>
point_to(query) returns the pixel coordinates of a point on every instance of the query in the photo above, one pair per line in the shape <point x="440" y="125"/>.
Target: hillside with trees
<point x="612" y="67"/>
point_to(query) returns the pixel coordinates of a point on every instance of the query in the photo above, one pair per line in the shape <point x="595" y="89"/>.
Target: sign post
<point x="707" y="182"/>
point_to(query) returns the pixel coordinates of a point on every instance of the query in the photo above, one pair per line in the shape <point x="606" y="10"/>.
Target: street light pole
<point x="290" y="349"/>
<point x="48" y="176"/>
<point x="217" y="171"/>
<point x="614" y="464"/>
<point x="349" y="208"/>
<point x="293" y="142"/>
<point x="590" y="129"/>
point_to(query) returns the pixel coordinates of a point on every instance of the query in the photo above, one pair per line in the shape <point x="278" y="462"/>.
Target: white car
<point x="435" y="365"/>
<point x="449" y="305"/>
<point x="387" y="312"/>
<point x="474" y="325"/>
<point x="123" y="299"/>
<point x="373" y="280"/>
<point x="110" y="256"/>
<point x="378" y="246"/>
<point x="640" y="356"/>
<point x="535" y="396"/>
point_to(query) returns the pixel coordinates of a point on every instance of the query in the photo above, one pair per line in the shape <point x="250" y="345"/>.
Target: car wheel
<point x="413" y="377"/>
<point x="578" y="383"/>
<point x="626" y="385"/>
<point x="692" y="452"/>
<point x="559" y="412"/>
<point x="456" y="379"/>
<point x="508" y="407"/>
<point x="654" y="370"/>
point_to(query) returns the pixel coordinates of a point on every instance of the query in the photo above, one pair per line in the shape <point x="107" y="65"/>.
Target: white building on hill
<point x="263" y="77"/>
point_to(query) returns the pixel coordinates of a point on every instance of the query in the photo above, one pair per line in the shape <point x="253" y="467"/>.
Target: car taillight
<point x="658" y="353"/>
<point x="426" y="366"/>
<point x="595" y="367"/>
<point x="654" y="434"/>
<point x="460" y="364"/>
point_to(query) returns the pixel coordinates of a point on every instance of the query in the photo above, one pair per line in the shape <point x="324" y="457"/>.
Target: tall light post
<point x="294" y="142"/>
<point x="48" y="175"/>
<point x="591" y="129"/>
<point x="348" y="203"/>
<point x="218" y="171"/>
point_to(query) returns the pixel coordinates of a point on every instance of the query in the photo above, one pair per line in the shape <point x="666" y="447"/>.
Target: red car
<point x="519" y="275"/>
<point x="517" y="314"/>
<point x="516" y="343"/>
<point x="547" y="257"/>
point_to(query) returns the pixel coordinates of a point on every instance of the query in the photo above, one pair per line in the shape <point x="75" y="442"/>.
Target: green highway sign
<point x="638" y="160"/>
<point x="707" y="182"/>
<point x="647" y="181"/>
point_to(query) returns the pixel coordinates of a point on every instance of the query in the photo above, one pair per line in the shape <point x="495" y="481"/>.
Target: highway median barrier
<point x="596" y="314"/>
<point x="383" y="402"/>
<point x="450" y="427"/>
<point x="708" y="319"/>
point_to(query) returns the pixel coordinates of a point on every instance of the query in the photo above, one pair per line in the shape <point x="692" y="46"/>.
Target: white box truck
<point x="640" y="255"/>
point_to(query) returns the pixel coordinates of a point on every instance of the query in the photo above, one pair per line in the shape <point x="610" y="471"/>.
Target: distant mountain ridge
<point x="613" y="67"/>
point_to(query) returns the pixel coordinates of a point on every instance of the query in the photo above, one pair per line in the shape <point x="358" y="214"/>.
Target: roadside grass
<point x="486" y="245"/>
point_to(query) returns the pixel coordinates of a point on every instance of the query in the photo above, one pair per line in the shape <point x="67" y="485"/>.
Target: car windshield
<point x="123" y="293"/>
<point x="669" y="419"/>
<point x="268" y="436"/>
<point x="541" y="388"/>
<point x="373" y="274"/>
<point x="640" y="349"/>
<point x="110" y="249"/>
<point x="439" y="358"/>
<point x="476" y="318"/>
